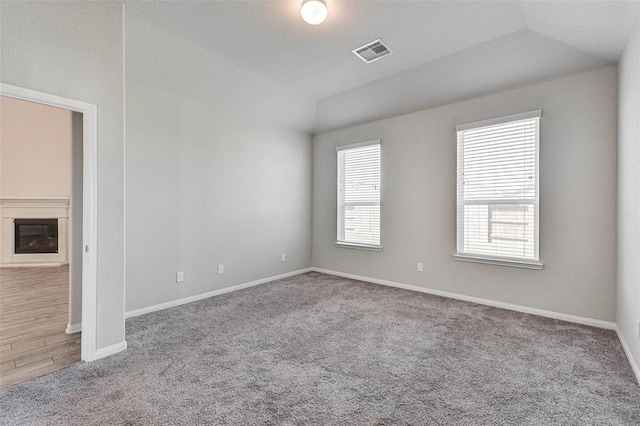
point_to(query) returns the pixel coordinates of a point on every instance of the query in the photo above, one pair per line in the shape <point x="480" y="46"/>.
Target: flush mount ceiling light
<point x="314" y="12"/>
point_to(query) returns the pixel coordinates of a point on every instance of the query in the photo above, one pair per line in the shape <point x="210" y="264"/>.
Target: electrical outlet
<point x="220" y="269"/>
<point x="420" y="267"/>
<point x="284" y="257"/>
<point x="179" y="277"/>
<point x="638" y="329"/>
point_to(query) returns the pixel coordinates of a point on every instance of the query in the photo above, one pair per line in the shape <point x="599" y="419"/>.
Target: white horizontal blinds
<point x="359" y="194"/>
<point x="498" y="189"/>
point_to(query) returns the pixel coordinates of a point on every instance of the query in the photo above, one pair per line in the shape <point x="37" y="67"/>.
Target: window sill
<point x="500" y="262"/>
<point x="358" y="246"/>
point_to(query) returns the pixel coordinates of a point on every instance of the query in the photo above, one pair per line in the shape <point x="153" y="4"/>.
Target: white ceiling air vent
<point x="372" y="51"/>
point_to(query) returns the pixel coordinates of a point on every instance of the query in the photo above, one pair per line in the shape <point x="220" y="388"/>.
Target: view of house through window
<point x="498" y="188"/>
<point x="359" y="194"/>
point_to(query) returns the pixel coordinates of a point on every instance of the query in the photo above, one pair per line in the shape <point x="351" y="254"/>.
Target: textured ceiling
<point x="506" y="63"/>
<point x="433" y="44"/>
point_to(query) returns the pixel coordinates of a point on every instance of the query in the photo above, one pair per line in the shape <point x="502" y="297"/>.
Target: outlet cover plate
<point x="220" y="269"/>
<point x="179" y="277"/>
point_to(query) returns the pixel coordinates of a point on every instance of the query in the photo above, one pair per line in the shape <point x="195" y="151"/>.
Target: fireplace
<point x="36" y="236"/>
<point x="34" y="231"/>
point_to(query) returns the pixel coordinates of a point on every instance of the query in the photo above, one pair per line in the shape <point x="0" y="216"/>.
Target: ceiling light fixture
<point x="314" y="12"/>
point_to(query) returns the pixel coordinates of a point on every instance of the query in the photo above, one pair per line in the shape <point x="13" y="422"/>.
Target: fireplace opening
<point x="36" y="235"/>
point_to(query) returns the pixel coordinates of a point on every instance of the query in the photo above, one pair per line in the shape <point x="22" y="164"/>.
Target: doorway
<point x="79" y="245"/>
<point x="40" y="281"/>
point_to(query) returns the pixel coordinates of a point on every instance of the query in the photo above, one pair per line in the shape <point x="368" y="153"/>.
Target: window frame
<point x="356" y="245"/>
<point x="460" y="203"/>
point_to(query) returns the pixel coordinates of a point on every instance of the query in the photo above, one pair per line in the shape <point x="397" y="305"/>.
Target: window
<point x="359" y="195"/>
<point x="498" y="194"/>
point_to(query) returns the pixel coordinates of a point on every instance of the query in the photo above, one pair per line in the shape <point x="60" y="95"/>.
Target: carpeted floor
<point x="318" y="349"/>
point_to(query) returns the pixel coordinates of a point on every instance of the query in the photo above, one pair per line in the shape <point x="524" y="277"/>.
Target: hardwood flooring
<point x="33" y="317"/>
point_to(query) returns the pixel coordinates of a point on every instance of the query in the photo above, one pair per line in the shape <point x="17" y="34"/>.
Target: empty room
<point x="327" y="212"/>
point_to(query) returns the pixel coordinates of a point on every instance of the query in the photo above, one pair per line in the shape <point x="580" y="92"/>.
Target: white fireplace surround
<point x="33" y="208"/>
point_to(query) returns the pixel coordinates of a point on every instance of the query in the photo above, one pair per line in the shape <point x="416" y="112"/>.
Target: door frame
<point x="89" y="202"/>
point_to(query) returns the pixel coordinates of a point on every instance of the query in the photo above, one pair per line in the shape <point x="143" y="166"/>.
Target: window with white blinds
<point x="359" y="195"/>
<point x="498" y="191"/>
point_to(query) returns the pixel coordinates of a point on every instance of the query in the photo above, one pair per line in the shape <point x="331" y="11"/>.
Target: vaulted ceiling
<point x="444" y="51"/>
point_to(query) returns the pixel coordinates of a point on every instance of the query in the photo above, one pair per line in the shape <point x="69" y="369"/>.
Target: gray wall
<point x="217" y="171"/>
<point x="74" y="49"/>
<point x="578" y="199"/>
<point x="628" y="311"/>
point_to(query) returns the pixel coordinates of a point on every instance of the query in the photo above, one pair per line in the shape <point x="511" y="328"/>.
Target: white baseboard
<point x="510" y="306"/>
<point x="627" y="351"/>
<point x="110" y="350"/>
<point x="73" y="328"/>
<point x="201" y="296"/>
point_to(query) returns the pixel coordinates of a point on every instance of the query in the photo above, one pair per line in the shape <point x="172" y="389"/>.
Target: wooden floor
<point x="33" y="317"/>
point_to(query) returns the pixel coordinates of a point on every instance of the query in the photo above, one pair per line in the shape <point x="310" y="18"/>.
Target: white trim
<point x="110" y="350"/>
<point x="73" y="328"/>
<point x="536" y="219"/>
<point x="509" y="306"/>
<point x="499" y="120"/>
<point x="90" y="204"/>
<point x="359" y="144"/>
<point x="627" y="351"/>
<point x="178" y="302"/>
<point x="500" y="262"/>
<point x="124" y="158"/>
<point x="342" y="244"/>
